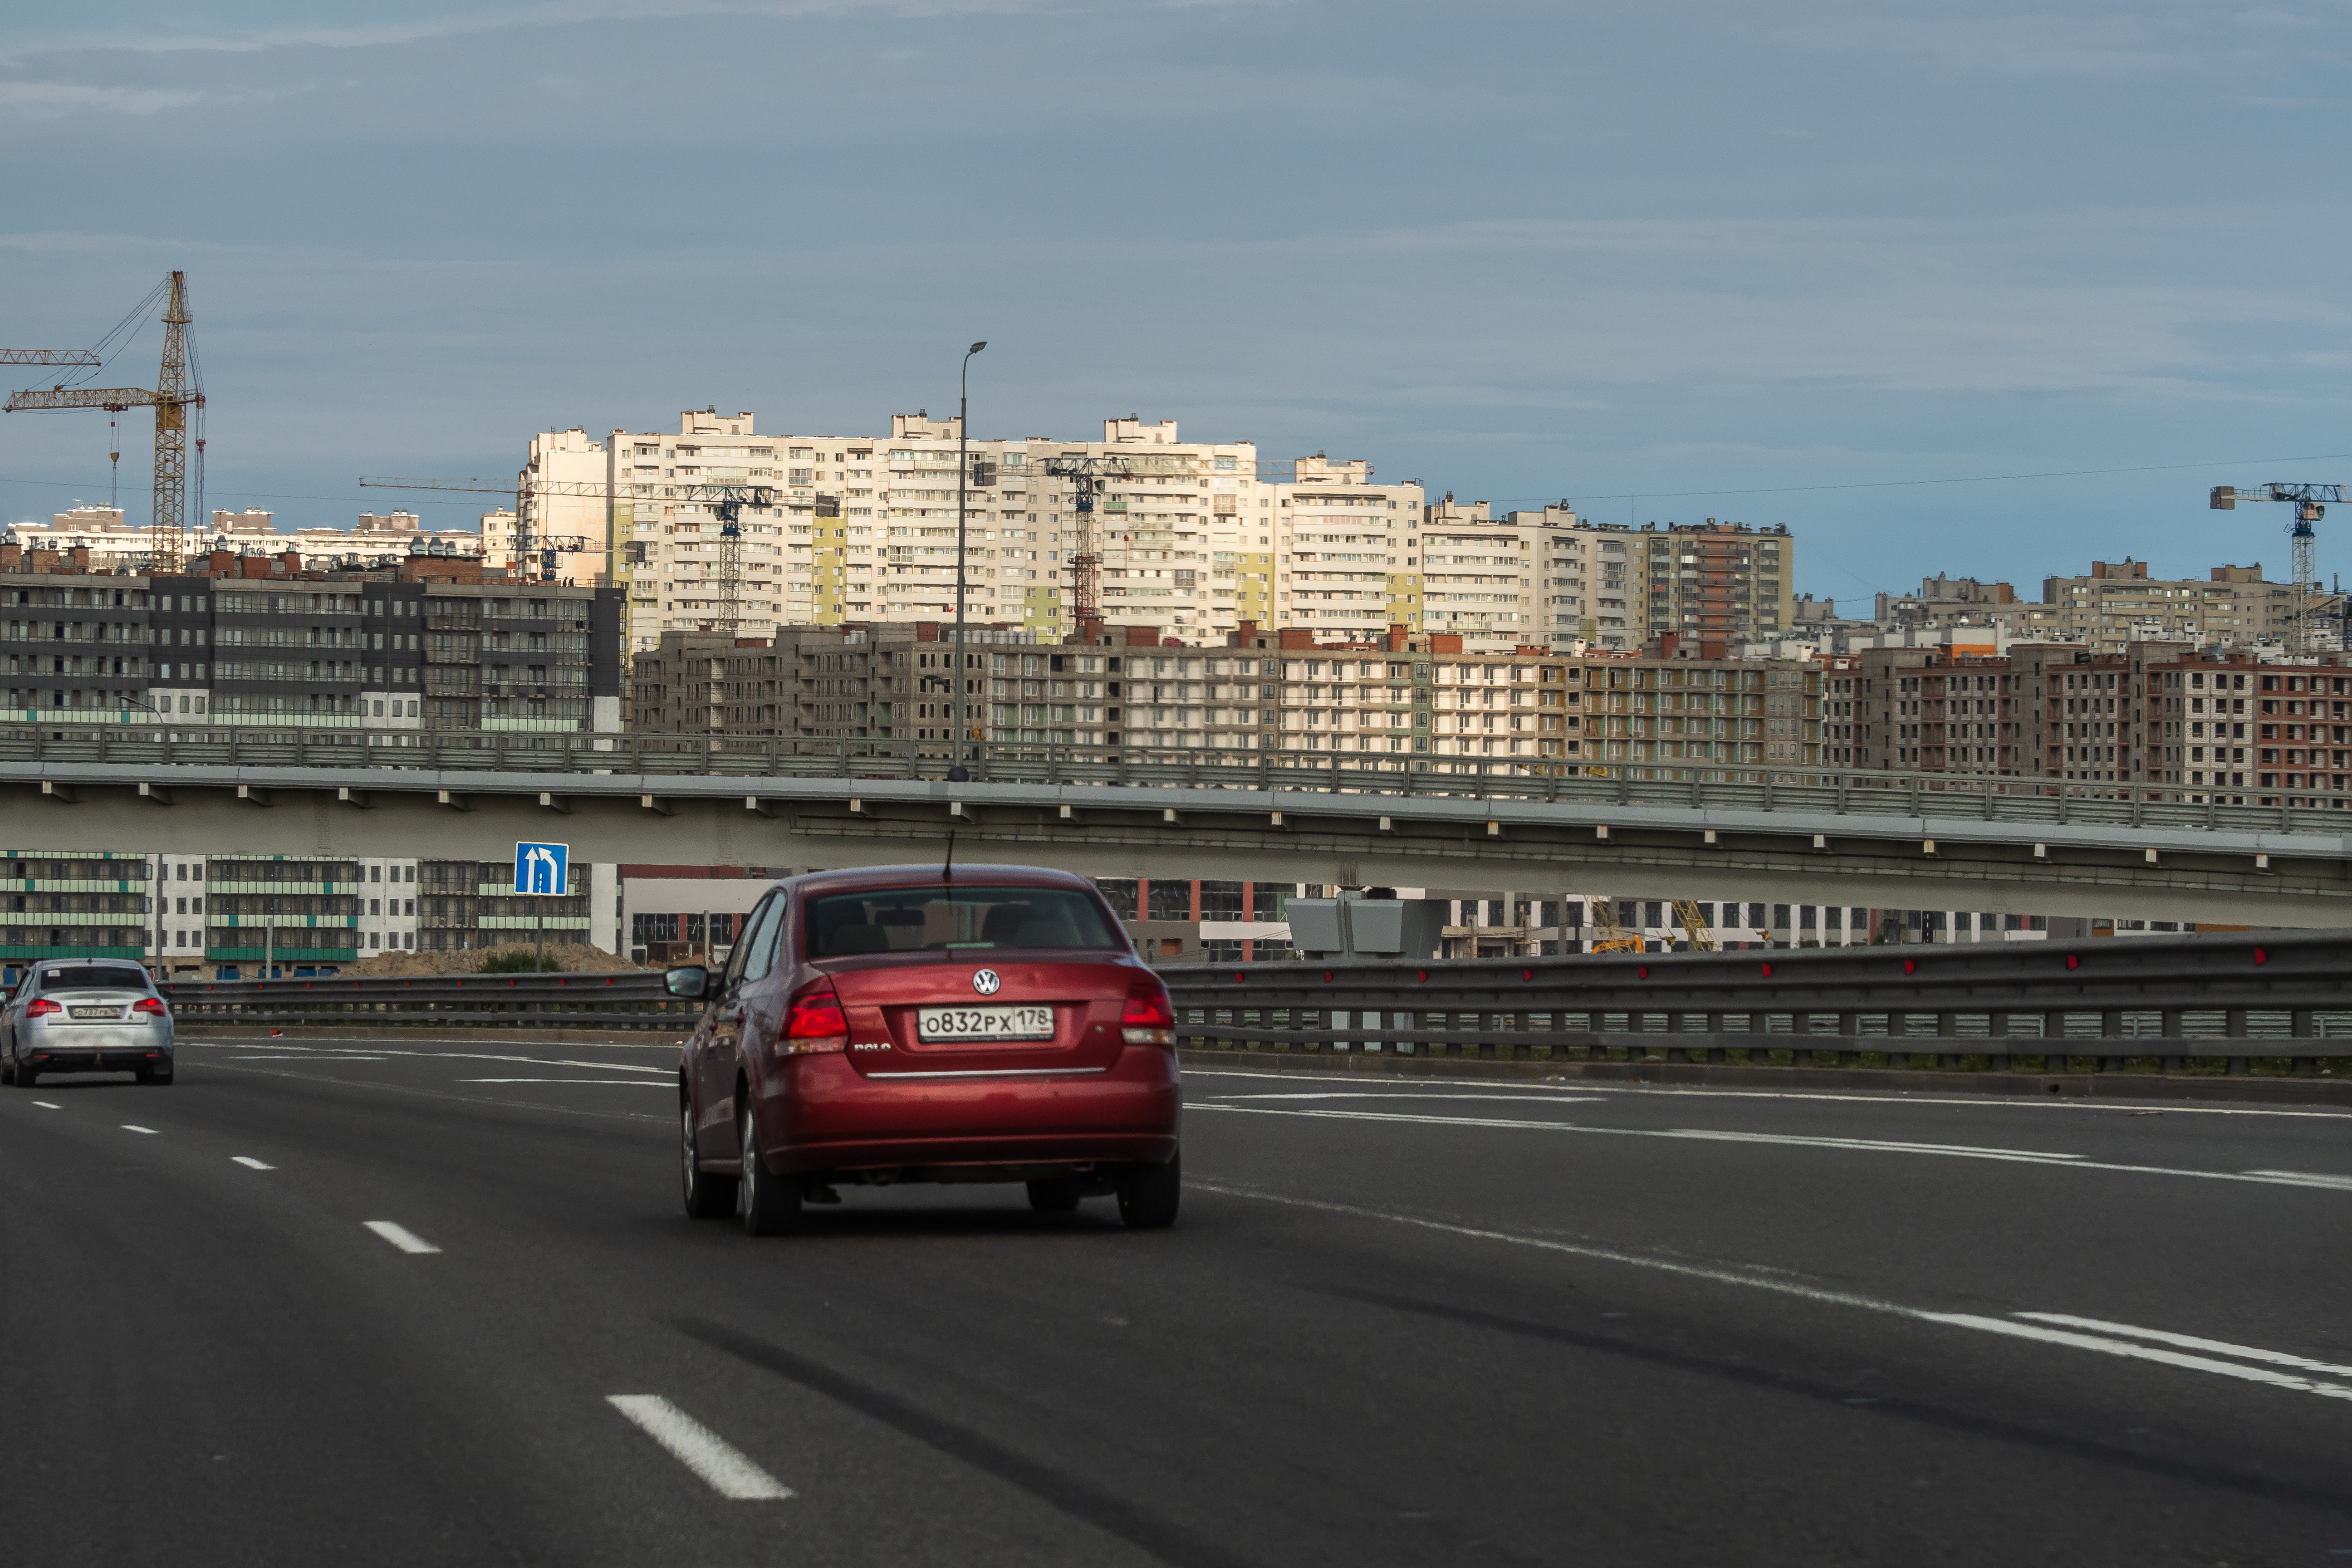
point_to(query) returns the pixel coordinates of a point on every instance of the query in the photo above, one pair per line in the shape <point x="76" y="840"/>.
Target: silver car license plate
<point x="95" y="1012"/>
<point x="985" y="1023"/>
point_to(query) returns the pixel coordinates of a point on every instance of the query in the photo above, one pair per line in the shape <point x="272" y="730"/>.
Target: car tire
<point x="7" y="1068"/>
<point x="707" y="1196"/>
<point x="1055" y="1195"/>
<point x="159" y="1076"/>
<point x="1148" y="1194"/>
<point x="767" y="1204"/>
<point x="26" y="1077"/>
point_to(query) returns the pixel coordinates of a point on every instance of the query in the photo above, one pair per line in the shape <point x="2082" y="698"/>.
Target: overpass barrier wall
<point x="1697" y="786"/>
<point x="2232" y="1004"/>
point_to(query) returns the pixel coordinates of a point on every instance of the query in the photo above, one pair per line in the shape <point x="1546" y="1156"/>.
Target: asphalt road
<point x="1410" y="1323"/>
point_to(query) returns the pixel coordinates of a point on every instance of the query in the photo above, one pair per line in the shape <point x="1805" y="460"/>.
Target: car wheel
<point x="707" y="1196"/>
<point x="1055" y="1195"/>
<point x="1147" y="1194"/>
<point x="159" y="1074"/>
<point x="768" y="1204"/>
<point x="8" y="1069"/>
<point x="26" y="1076"/>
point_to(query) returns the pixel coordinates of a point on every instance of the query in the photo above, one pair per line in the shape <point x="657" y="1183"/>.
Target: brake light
<point x="814" y="1024"/>
<point x="41" y="1007"/>
<point x="1148" y="1019"/>
<point x="150" y="1006"/>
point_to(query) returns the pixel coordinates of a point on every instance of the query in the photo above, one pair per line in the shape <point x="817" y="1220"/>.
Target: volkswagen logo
<point x="986" y="981"/>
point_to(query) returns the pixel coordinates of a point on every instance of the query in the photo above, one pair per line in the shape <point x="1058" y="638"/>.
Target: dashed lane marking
<point x="623" y="1082"/>
<point x="134" y="1127"/>
<point x="45" y="1105"/>
<point x="699" y="1450"/>
<point x="251" y="1164"/>
<point x="400" y="1236"/>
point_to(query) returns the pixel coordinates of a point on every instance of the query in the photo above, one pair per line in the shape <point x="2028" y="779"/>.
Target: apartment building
<point x="863" y="530"/>
<point x="261" y="642"/>
<point x="1343" y="553"/>
<point x="108" y="544"/>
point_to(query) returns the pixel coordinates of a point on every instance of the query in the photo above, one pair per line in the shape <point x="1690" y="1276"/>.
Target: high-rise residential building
<point x="1343" y="555"/>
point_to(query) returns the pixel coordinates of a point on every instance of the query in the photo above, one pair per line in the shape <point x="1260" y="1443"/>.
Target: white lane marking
<point x="2306" y="1179"/>
<point x="2189" y="1343"/>
<point x="305" y="1057"/>
<point x="134" y="1127"/>
<point x="1972" y="1321"/>
<point x="1892" y="1097"/>
<point x="1864" y="1145"/>
<point x="1441" y="1099"/>
<point x="698" y="1449"/>
<point x="251" y="1164"/>
<point x="623" y="1082"/>
<point x="380" y="1053"/>
<point x="400" y="1236"/>
<point x="45" y="1105"/>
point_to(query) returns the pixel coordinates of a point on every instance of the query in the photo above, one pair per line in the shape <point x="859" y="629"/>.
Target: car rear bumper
<point x="819" y="1114"/>
<point x="91" y="1060"/>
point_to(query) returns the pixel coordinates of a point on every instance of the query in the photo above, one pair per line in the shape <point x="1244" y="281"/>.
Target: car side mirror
<point x="692" y="980"/>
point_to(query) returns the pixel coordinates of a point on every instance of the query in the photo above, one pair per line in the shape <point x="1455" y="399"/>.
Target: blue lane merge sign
<point x="542" y="869"/>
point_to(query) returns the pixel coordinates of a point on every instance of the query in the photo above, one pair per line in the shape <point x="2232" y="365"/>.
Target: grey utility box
<point x="1367" y="928"/>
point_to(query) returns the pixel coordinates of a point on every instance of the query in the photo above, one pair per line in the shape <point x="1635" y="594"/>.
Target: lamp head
<point x="978" y="346"/>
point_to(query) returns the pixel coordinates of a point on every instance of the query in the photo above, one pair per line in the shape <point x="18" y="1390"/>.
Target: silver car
<point x="85" y="1014"/>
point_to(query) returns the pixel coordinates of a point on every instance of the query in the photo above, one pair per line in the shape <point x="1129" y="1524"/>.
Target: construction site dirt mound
<point x="573" y="957"/>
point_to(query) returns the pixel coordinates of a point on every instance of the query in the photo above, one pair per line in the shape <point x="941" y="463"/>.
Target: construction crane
<point x="1695" y="927"/>
<point x="726" y="502"/>
<point x="1613" y="937"/>
<point x="2310" y="503"/>
<point x="177" y="399"/>
<point x="1089" y="476"/>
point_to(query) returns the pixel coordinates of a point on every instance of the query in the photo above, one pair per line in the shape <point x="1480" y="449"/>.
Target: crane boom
<point x="80" y="357"/>
<point x="173" y="395"/>
<point x="2310" y="503"/>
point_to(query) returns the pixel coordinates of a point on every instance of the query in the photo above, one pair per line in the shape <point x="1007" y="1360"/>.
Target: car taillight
<point x="150" y="1006"/>
<point x="1148" y="1020"/>
<point x="814" y="1024"/>
<point x="41" y="1007"/>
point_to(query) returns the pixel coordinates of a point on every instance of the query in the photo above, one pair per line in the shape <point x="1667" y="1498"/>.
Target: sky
<point x="1979" y="288"/>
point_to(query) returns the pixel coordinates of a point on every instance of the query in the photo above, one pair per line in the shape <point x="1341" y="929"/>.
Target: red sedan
<point x="908" y="1023"/>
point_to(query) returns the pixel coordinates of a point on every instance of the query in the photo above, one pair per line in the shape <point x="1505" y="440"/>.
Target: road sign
<point x="542" y="869"/>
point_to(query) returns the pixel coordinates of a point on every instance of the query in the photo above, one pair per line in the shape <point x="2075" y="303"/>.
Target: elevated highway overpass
<point x="2000" y="846"/>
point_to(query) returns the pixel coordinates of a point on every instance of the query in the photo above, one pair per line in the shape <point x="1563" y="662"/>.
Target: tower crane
<point x="177" y="399"/>
<point x="726" y="502"/>
<point x="1089" y="478"/>
<point x="2310" y="503"/>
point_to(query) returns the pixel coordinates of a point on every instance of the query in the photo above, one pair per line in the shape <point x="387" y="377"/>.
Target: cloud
<point x="59" y="100"/>
<point x="557" y="14"/>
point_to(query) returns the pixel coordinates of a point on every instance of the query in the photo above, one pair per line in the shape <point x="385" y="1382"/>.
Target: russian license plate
<point x="985" y="1023"/>
<point x="95" y="1012"/>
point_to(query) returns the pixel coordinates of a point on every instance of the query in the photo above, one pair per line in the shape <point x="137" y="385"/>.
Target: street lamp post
<point x="963" y="475"/>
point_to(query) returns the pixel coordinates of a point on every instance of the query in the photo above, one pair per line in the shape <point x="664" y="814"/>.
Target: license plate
<point x="95" y="1012"/>
<point x="985" y="1023"/>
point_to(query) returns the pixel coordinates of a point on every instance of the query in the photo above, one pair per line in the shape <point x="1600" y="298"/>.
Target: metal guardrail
<point x="2119" y="1003"/>
<point x="1697" y="786"/>
<point x="632" y="1000"/>
<point x="2162" y="1003"/>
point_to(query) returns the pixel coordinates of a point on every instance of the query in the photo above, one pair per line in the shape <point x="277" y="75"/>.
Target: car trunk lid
<point x="960" y="1017"/>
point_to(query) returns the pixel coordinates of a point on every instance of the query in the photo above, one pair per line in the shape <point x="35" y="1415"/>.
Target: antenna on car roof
<point x="947" y="871"/>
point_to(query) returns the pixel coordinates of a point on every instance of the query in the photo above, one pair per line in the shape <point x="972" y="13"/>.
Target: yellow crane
<point x="1613" y="937"/>
<point x="177" y="399"/>
<point x="1695" y="927"/>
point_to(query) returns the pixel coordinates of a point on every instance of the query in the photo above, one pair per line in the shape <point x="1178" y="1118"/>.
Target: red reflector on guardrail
<point x="1768" y="971"/>
<point x="1643" y="971"/>
<point x="1237" y="978"/>
<point x="1527" y="974"/>
<point x="1909" y="967"/>
<point x="2072" y="962"/>
<point x="1327" y="977"/>
<point x="2261" y="956"/>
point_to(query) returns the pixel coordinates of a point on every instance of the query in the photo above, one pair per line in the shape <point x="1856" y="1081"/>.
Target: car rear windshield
<point x="94" y="977"/>
<point x="958" y="918"/>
